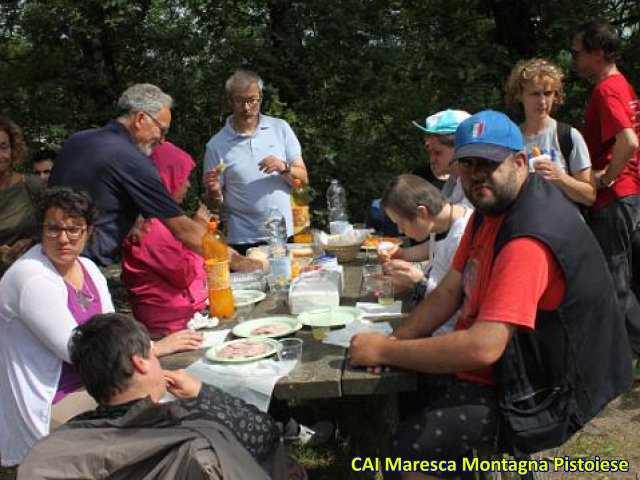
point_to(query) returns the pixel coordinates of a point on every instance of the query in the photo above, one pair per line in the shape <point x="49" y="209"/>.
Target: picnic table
<point x="324" y="371"/>
<point x="325" y="376"/>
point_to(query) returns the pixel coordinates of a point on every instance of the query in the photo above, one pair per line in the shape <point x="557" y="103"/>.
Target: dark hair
<point x="599" y="34"/>
<point x="18" y="146"/>
<point x="74" y="203"/>
<point x="406" y="193"/>
<point x="101" y="352"/>
<point x="43" y="154"/>
<point x="444" y="138"/>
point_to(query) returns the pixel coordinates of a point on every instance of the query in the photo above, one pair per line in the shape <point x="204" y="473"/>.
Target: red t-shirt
<point x="525" y="277"/>
<point x="613" y="106"/>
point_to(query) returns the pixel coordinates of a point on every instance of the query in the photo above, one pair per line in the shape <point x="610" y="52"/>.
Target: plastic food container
<point x="249" y="280"/>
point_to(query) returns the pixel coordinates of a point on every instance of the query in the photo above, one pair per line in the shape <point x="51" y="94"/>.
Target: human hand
<point x="211" y="180"/>
<point x="11" y="253"/>
<point x="366" y="350"/>
<point x="272" y="164"/>
<point x="542" y="165"/>
<point x="140" y="228"/>
<point x="240" y="263"/>
<point x="202" y="215"/>
<point x="404" y="274"/>
<point x="178" y="342"/>
<point x="386" y="254"/>
<point x="181" y="384"/>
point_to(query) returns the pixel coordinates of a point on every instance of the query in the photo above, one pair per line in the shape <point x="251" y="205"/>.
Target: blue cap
<point x="487" y="134"/>
<point x="443" y="123"/>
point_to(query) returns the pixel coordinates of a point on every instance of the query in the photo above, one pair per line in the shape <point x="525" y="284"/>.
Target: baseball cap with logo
<point x="487" y="134"/>
<point x="443" y="123"/>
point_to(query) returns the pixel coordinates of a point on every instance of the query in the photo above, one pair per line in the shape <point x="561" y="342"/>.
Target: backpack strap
<point x="563" y="131"/>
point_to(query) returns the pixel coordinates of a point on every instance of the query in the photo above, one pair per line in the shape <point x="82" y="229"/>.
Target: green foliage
<point x="349" y="76"/>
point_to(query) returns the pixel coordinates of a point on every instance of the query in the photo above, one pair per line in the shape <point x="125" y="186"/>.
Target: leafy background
<point x="348" y="76"/>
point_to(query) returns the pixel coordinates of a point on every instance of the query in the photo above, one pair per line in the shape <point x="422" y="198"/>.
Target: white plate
<point x="246" y="329"/>
<point x="212" y="353"/>
<point x="330" y="316"/>
<point x="242" y="298"/>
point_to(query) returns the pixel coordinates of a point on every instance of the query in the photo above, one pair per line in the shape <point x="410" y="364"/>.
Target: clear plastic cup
<point x="290" y="350"/>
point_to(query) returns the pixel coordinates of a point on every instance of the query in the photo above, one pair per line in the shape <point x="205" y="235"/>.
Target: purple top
<point x="82" y="304"/>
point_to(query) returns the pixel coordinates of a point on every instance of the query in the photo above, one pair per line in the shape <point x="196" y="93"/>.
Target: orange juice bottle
<point x="216" y="264"/>
<point x="301" y="213"/>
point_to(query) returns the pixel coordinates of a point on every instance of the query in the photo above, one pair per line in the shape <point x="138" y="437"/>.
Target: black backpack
<point x="563" y="131"/>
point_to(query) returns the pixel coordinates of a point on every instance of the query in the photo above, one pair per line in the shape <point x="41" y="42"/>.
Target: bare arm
<point x="297" y="168"/>
<point x="187" y="231"/>
<point x="480" y="346"/>
<point x="579" y="187"/>
<point x="435" y="309"/>
<point x="624" y="148"/>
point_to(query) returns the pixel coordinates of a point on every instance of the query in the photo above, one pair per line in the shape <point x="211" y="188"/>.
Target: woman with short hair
<point x="534" y="88"/>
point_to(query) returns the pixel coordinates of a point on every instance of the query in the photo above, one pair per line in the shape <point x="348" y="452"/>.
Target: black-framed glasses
<point x="74" y="232"/>
<point x="250" y="101"/>
<point x="163" y="130"/>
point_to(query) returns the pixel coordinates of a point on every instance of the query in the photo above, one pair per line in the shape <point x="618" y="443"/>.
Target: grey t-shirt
<point x="547" y="141"/>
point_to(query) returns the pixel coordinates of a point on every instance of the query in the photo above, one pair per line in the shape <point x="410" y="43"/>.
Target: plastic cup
<point x="384" y="290"/>
<point x="290" y="350"/>
<point x="244" y="312"/>
<point x="369" y="273"/>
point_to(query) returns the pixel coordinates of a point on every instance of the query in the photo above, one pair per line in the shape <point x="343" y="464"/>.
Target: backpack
<point x="563" y="131"/>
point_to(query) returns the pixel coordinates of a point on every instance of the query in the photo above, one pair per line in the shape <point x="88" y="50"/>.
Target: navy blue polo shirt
<point x="122" y="181"/>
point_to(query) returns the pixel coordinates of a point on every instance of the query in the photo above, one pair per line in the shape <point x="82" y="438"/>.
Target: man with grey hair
<point x="262" y="157"/>
<point x="112" y="165"/>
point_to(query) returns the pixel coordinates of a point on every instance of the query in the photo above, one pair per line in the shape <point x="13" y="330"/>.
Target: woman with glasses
<point x="18" y="196"/>
<point x="534" y="88"/>
<point x="44" y="295"/>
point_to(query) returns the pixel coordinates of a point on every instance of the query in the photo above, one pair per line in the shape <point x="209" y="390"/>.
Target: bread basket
<point x="344" y="254"/>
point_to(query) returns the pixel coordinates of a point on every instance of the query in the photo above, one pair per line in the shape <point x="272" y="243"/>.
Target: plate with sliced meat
<point x="243" y="350"/>
<point x="271" y="327"/>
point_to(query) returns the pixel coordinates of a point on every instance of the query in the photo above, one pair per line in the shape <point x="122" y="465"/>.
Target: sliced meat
<point x="244" y="349"/>
<point x="274" y="328"/>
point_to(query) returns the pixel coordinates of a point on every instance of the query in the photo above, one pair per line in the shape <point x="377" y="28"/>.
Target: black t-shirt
<point x="122" y="181"/>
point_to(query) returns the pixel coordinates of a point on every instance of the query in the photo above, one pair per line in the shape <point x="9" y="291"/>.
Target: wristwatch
<point x="287" y="169"/>
<point x="602" y="183"/>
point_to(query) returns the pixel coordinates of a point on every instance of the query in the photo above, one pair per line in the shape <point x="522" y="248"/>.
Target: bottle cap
<point x="297" y="182"/>
<point x="212" y="226"/>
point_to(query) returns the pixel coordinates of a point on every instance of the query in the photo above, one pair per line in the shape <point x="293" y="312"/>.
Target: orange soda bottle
<point x="216" y="264"/>
<point x="300" y="213"/>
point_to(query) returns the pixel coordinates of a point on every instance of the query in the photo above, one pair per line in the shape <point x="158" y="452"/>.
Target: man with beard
<point x="539" y="347"/>
<point x="111" y="163"/>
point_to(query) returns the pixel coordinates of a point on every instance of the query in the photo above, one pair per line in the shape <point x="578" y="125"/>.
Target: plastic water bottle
<point x="276" y="227"/>
<point x="279" y="261"/>
<point x="337" y="206"/>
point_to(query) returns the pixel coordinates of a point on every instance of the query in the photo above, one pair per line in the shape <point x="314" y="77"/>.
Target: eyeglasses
<point x="74" y="232"/>
<point x="163" y="130"/>
<point x="468" y="163"/>
<point x="250" y="101"/>
<point x="533" y="71"/>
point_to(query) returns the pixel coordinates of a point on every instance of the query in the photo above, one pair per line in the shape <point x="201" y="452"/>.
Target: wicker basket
<point x="344" y="254"/>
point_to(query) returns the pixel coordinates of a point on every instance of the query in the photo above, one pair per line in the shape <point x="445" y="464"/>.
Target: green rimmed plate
<point x="251" y="328"/>
<point x="330" y="317"/>
<point x="262" y="348"/>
